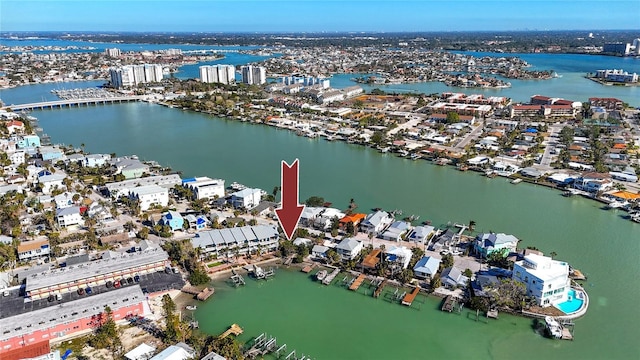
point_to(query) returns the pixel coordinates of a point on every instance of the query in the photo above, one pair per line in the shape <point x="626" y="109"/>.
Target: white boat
<point x="320" y="275"/>
<point x="617" y="204"/>
<point x="191" y="307"/>
<point x="553" y="327"/>
<point x="516" y="181"/>
<point x="415" y="156"/>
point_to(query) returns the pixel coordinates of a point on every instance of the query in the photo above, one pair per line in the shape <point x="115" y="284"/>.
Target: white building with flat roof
<point x="247" y="198"/>
<point x="150" y="195"/>
<point x="205" y="187"/>
<point x="546" y="279"/>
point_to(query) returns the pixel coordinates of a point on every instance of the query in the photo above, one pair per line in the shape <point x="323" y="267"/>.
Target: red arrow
<point x="290" y="210"/>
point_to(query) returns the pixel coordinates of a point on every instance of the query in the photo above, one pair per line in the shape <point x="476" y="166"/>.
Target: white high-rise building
<point x="131" y="75"/>
<point x="254" y="75"/>
<point x="636" y="45"/>
<point x="225" y="74"/>
<point x="115" y="52"/>
<point x="152" y="73"/>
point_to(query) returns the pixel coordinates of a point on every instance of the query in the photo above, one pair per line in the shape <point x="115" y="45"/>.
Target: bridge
<point x="73" y="102"/>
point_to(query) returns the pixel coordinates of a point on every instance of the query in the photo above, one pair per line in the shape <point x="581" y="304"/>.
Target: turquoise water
<point x="572" y="305"/>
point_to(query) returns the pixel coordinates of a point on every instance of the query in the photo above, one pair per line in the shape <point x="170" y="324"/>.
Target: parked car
<point x="80" y="291"/>
<point x="88" y="290"/>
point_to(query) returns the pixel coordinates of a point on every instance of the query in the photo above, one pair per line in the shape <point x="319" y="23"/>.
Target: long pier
<point x="408" y="299"/>
<point x="357" y="282"/>
<point x="58" y="104"/>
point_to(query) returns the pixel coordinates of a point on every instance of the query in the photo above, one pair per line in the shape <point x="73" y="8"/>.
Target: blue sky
<point x="317" y="16"/>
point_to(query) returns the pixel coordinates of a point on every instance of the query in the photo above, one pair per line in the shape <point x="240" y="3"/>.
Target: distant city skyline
<point x="317" y="16"/>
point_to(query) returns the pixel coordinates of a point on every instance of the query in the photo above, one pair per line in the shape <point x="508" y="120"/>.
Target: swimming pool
<point x="573" y="304"/>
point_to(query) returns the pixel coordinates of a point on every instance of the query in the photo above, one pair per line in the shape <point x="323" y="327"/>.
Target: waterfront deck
<point x="357" y="282"/>
<point x="379" y="288"/>
<point x="234" y="329"/>
<point x="408" y="298"/>
<point x="329" y="278"/>
<point x="449" y="303"/>
<point x="307" y="269"/>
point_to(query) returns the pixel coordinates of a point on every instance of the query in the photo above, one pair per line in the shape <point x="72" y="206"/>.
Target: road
<point x="554" y="130"/>
<point x="472" y="135"/>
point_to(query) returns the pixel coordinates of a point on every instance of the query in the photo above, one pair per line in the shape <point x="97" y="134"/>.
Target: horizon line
<point x="308" y="32"/>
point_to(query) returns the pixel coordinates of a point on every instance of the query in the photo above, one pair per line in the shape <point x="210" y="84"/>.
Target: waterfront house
<point x="33" y="249"/>
<point x="309" y="215"/>
<point x="485" y="244"/>
<point x="28" y="141"/>
<point x="69" y="216"/>
<point x="131" y="168"/>
<point x="546" y="279"/>
<point x="395" y="231"/>
<point x="246" y="199"/>
<point x="95" y="160"/>
<point x="244" y="240"/>
<point x="445" y="240"/>
<point x="453" y="278"/>
<point x="150" y="195"/>
<point x="324" y="219"/>
<point x="484" y="284"/>
<point x="49" y="182"/>
<point x="205" y="187"/>
<point x="426" y="267"/>
<point x="400" y="255"/>
<point x="349" y="249"/>
<point x="354" y="219"/>
<point x="172" y="219"/>
<point x="116" y="189"/>
<point x="421" y="234"/>
<point x="319" y="252"/>
<point x="593" y="182"/>
<point x="376" y="222"/>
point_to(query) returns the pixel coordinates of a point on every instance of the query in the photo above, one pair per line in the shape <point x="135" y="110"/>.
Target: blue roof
<point x="428" y="265"/>
<point x="531" y="130"/>
<point x="184" y="181"/>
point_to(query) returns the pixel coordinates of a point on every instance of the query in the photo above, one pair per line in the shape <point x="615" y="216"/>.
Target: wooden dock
<point x="234" y="329"/>
<point x="307" y="269"/>
<point x="449" y="303"/>
<point x="205" y="294"/>
<point x="379" y="288"/>
<point x="357" y="282"/>
<point x="408" y="299"/>
<point x="329" y="278"/>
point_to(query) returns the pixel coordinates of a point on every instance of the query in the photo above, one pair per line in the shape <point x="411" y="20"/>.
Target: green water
<point x="334" y="323"/>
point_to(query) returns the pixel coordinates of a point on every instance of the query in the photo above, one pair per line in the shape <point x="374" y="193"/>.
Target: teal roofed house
<point x="172" y="219"/>
<point x="28" y="141"/>
<point x="485" y="244"/>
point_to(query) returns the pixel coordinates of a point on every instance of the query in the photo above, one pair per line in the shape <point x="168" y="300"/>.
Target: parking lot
<point x="15" y="303"/>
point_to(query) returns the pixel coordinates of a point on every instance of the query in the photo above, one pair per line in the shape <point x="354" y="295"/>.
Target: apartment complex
<point x="254" y="75"/>
<point x="224" y="74"/>
<point x="94" y="273"/>
<point x="132" y="75"/>
<point x="246" y="239"/>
